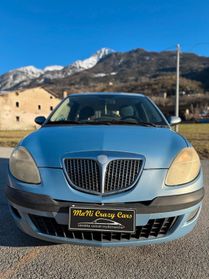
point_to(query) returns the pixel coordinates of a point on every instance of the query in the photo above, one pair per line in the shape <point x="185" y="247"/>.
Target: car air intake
<point x="88" y="175"/>
<point x="155" y="228"/>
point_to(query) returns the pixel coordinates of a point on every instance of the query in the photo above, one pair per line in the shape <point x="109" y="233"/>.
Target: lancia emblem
<point x="102" y="159"/>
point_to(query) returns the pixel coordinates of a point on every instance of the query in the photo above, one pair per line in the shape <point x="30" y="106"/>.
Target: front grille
<point x="118" y="175"/>
<point x="83" y="173"/>
<point x="155" y="228"/>
<point x="121" y="174"/>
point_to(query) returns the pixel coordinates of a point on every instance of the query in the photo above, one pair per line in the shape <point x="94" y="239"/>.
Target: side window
<point x="62" y="112"/>
<point x="151" y="112"/>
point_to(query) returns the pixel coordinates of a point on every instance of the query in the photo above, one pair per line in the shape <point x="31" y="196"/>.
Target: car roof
<point x="107" y="93"/>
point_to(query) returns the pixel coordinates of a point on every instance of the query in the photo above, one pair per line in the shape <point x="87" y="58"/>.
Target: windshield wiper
<point x="63" y="122"/>
<point x="142" y="123"/>
<point x="102" y="122"/>
<point x="125" y="122"/>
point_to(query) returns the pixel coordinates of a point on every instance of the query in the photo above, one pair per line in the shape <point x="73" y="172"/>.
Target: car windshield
<point x="107" y="109"/>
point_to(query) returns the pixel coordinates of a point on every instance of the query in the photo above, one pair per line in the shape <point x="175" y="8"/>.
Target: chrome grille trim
<point x="116" y="172"/>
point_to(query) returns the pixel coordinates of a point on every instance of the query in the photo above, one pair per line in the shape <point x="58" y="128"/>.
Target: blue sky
<point x="48" y="32"/>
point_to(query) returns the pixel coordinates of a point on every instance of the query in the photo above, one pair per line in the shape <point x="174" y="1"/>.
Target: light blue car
<point x="105" y="169"/>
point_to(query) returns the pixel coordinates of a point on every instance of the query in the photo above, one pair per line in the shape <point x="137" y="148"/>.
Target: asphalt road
<point x="24" y="257"/>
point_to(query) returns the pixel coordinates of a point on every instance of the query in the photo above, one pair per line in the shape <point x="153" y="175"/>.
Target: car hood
<point x="49" y="145"/>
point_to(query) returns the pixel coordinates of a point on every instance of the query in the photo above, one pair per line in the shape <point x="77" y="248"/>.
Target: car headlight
<point x="23" y="167"/>
<point x="184" y="168"/>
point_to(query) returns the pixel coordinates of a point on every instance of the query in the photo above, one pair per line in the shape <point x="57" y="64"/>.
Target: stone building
<point x="19" y="108"/>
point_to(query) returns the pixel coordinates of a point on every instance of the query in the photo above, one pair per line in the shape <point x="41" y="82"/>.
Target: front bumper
<point x="159" y="220"/>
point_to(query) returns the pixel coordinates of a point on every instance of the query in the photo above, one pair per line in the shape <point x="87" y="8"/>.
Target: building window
<point x="17" y="118"/>
<point x="17" y="94"/>
<point x="51" y="108"/>
<point x="39" y="107"/>
<point x="17" y="104"/>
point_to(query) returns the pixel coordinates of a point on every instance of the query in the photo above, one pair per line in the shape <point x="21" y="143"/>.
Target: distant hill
<point x="152" y="73"/>
<point x="29" y="76"/>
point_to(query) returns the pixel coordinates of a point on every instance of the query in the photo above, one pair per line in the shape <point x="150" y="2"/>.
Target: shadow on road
<point x="10" y="235"/>
<point x="3" y="170"/>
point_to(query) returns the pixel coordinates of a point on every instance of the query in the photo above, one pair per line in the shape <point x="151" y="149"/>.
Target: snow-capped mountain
<point x="53" y="68"/>
<point x="31" y="71"/>
<point x="91" y="61"/>
<point x="22" y="77"/>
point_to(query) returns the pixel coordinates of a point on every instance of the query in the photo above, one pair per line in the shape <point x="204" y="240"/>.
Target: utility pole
<point x="177" y="81"/>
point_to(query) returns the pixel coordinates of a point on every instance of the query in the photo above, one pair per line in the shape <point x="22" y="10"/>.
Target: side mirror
<point x="40" y="120"/>
<point x="174" y="120"/>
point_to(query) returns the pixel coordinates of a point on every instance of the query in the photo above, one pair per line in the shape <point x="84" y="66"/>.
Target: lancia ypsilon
<point x="105" y="156"/>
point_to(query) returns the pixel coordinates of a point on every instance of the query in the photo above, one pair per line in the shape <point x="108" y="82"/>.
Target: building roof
<point x="3" y="93"/>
